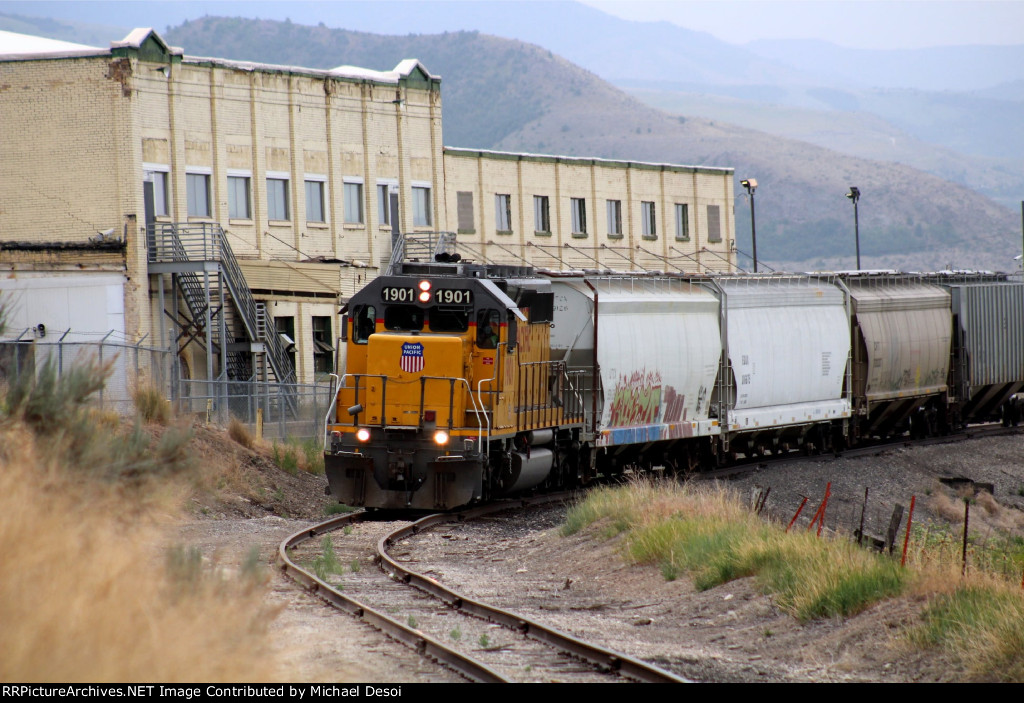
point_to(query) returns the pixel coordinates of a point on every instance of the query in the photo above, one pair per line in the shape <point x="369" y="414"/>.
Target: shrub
<point x="151" y="405"/>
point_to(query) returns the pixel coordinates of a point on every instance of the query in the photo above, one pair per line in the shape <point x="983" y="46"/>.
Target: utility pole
<point x="751" y="185"/>
<point x="854" y="195"/>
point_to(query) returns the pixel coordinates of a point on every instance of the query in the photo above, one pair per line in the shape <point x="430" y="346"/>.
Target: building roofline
<point x="583" y="161"/>
<point x="411" y="71"/>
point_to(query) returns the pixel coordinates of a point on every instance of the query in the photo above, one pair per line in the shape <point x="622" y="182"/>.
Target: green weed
<point x="982" y="625"/>
<point x="327" y="562"/>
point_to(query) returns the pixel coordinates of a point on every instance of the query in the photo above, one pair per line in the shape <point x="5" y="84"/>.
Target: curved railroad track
<point x="482" y="642"/>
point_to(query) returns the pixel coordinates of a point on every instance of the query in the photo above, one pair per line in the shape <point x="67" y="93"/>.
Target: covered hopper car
<point x="467" y="381"/>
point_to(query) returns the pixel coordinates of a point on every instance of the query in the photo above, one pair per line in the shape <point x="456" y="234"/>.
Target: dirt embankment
<point x="582" y="584"/>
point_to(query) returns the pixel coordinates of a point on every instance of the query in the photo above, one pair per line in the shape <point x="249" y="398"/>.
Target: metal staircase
<point x="420" y="246"/>
<point x="217" y="298"/>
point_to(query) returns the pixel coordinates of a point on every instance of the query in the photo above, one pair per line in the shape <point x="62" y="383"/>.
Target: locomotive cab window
<point x="488" y="324"/>
<point x="444" y="319"/>
<point x="364" y="320"/>
<point x="403" y="317"/>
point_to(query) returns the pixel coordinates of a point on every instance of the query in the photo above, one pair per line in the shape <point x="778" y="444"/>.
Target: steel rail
<point x="867" y="448"/>
<point x="426" y="646"/>
<point x="603" y="659"/>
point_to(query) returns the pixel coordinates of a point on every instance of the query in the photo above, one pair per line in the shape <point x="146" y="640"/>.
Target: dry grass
<point x="151" y="405"/>
<point x="709" y="534"/>
<point x="84" y="501"/>
<point x="82" y="600"/>
<point x="240" y="433"/>
<point x="949" y="509"/>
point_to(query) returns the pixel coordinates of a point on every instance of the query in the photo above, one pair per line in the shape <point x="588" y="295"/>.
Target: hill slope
<point x="505" y="94"/>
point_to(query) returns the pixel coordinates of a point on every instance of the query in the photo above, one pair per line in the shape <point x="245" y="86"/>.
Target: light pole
<point x="854" y="195"/>
<point x="751" y="185"/>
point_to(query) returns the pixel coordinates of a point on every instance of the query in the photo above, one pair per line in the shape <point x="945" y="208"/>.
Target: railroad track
<point x="749" y="464"/>
<point x="482" y="642"/>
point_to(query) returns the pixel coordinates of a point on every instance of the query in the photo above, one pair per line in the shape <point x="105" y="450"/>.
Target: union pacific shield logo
<point x="412" y="357"/>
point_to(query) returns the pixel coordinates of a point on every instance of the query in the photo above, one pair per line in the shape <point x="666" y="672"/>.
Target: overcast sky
<point x="868" y="24"/>
<point x="865" y="24"/>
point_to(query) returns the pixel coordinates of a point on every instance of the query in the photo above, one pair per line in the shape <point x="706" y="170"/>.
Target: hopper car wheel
<point x="692" y="460"/>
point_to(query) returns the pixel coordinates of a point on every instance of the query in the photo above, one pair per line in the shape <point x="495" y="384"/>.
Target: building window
<point x="614" y="218"/>
<point x="383" y="204"/>
<point x="464" y="208"/>
<point x="714" y="224"/>
<point x="315" y="211"/>
<point x="161" y="196"/>
<point x="682" y="222"/>
<point x="647" y="213"/>
<point x="323" y="350"/>
<point x="277" y="199"/>
<point x="285" y="327"/>
<point x="239" y="204"/>
<point x="198" y="185"/>
<point x="541" y="214"/>
<point x="353" y="203"/>
<point x="579" y="215"/>
<point x="503" y="213"/>
<point x="159" y="177"/>
<point x="421" y="206"/>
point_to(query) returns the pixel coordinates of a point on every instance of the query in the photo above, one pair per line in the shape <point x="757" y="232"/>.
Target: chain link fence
<point x="270" y="410"/>
<point x="130" y="367"/>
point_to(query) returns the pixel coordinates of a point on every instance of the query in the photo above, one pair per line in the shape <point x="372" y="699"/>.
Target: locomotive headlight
<point x="424" y="296"/>
<point x="424" y="286"/>
<point x="363" y="434"/>
<point x="440" y="437"/>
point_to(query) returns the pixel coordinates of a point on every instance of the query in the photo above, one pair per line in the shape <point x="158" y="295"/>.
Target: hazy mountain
<point x="963" y="99"/>
<point x="958" y="68"/>
<point x="985" y="149"/>
<point x="499" y="93"/>
<point x="505" y="94"/>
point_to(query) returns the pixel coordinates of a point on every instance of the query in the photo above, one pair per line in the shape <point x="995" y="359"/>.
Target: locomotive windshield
<point x="444" y="319"/>
<point x="488" y="323"/>
<point x="364" y="320"/>
<point x="403" y="317"/>
<point x="408" y="318"/>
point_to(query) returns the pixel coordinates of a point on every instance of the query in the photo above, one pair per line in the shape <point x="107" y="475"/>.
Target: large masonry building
<point x="227" y="210"/>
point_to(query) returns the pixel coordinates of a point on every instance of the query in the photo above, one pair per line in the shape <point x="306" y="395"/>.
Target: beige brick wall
<point x="85" y="127"/>
<point x="595" y="182"/>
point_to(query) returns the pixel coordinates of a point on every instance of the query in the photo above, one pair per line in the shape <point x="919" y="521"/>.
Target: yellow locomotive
<point x="450" y="395"/>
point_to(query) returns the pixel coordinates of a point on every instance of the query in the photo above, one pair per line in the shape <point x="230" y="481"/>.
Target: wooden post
<point x="906" y="540"/>
<point x="967" y="517"/>
<point x="894" y="527"/>
<point x="863" y="507"/>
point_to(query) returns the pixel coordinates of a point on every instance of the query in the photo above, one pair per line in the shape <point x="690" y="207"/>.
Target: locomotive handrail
<point x="334" y="403"/>
<point x="479" y="392"/>
<point x="423" y="379"/>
